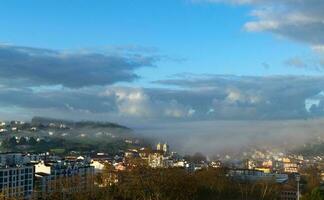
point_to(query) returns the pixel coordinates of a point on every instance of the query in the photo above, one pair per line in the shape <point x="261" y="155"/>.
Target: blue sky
<point x="118" y="59"/>
<point x="208" y="38"/>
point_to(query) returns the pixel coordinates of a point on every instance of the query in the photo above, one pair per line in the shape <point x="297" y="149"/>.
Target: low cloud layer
<point x="235" y="97"/>
<point x="189" y="98"/>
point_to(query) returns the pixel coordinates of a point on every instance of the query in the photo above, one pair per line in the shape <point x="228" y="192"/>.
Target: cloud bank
<point x="34" y="67"/>
<point x="48" y="82"/>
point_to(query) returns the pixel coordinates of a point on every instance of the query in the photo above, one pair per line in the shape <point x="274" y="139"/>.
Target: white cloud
<point x="136" y="102"/>
<point x="130" y="101"/>
<point x="261" y="25"/>
<point x="237" y="96"/>
<point x="297" y="20"/>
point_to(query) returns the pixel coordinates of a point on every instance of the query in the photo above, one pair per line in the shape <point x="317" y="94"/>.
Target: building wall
<point x="17" y="181"/>
<point x="65" y="180"/>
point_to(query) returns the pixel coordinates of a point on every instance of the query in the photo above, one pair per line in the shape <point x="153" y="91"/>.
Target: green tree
<point x="316" y="194"/>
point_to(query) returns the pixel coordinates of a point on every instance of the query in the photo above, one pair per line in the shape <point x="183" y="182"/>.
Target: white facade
<point x="73" y="176"/>
<point x="98" y="165"/>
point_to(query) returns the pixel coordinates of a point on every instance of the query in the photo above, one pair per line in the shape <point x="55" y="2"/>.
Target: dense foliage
<point x="143" y="183"/>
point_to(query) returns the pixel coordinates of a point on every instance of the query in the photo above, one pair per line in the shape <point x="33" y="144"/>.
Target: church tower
<point x="166" y="148"/>
<point x="159" y="147"/>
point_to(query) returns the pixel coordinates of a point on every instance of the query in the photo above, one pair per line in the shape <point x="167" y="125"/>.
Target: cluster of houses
<point x="16" y="126"/>
<point x="29" y="175"/>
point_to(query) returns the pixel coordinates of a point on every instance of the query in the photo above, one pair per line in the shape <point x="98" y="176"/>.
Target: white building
<point x="98" y="165"/>
<point x="256" y="175"/>
<point x="66" y="177"/>
<point x="2" y="130"/>
<point x="155" y="159"/>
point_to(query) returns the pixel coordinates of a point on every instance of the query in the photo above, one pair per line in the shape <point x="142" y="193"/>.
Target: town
<point x="42" y="175"/>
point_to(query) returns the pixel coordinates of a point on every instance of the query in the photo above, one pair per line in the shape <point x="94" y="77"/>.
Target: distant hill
<point x="36" y="121"/>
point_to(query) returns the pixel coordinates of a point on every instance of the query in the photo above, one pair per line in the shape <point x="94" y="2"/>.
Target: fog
<point x="213" y="137"/>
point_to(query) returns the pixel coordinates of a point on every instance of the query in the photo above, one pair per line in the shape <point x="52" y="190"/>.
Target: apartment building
<point x="63" y="177"/>
<point x="16" y="176"/>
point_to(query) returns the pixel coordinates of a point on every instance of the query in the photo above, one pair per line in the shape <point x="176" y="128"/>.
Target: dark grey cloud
<point x="188" y="98"/>
<point x="60" y="100"/>
<point x="26" y="66"/>
<point x="236" y="97"/>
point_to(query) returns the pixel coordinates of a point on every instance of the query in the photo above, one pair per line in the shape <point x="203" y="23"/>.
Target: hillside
<point x="46" y="134"/>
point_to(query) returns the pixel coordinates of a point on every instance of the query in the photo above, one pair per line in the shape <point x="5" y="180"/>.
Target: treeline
<point x="143" y="183"/>
<point x="170" y="184"/>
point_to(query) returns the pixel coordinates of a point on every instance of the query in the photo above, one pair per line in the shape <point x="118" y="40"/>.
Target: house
<point x="3" y="130"/>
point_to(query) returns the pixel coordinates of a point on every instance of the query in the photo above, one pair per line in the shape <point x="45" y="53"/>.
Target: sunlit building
<point x="66" y="177"/>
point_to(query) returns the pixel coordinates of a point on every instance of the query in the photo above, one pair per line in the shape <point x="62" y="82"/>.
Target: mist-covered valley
<point x="216" y="137"/>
